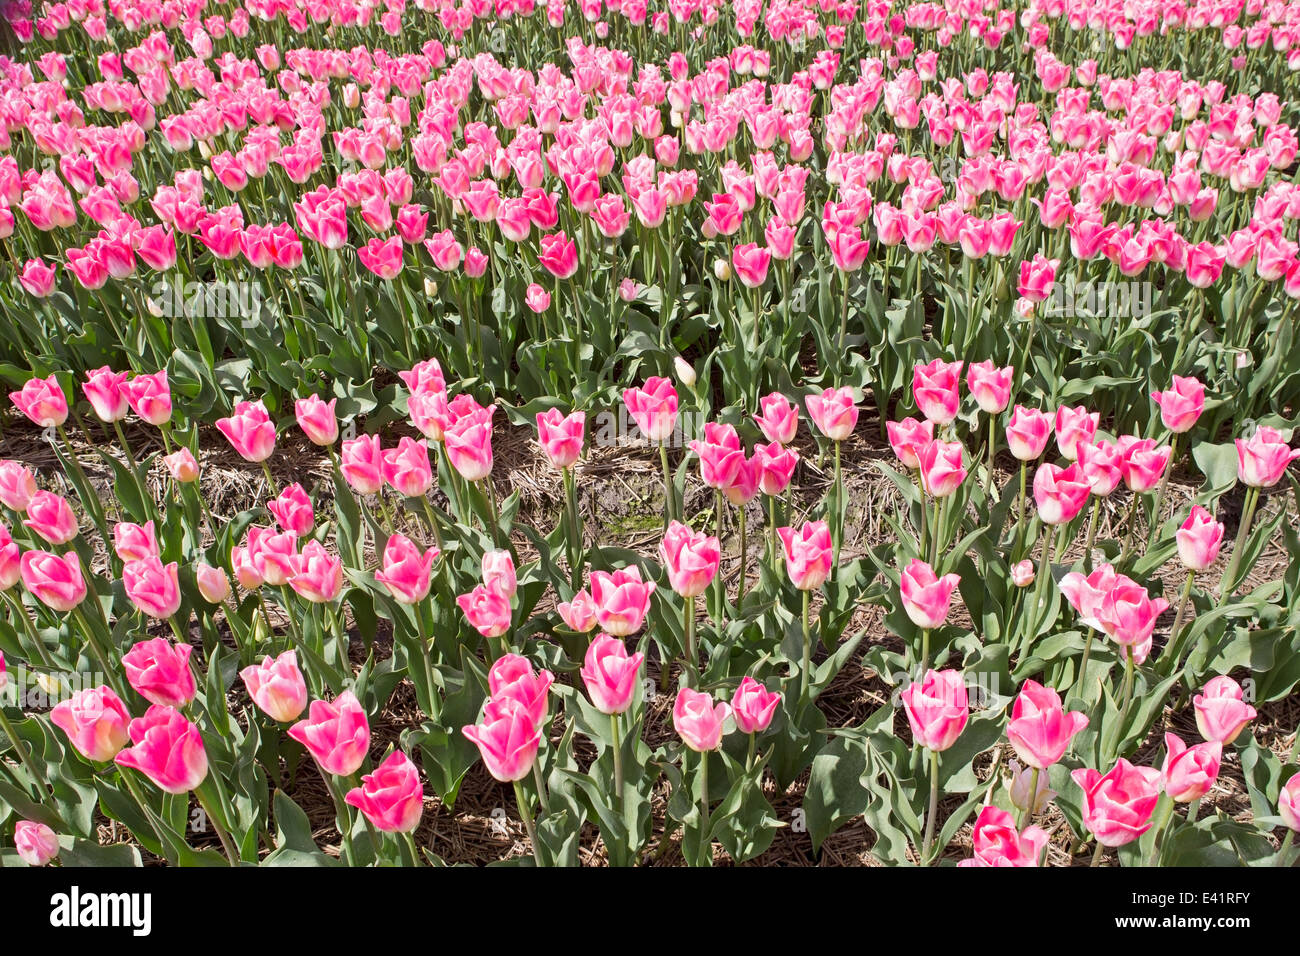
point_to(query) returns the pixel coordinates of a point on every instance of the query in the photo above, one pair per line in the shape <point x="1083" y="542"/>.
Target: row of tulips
<point x="291" y="605"/>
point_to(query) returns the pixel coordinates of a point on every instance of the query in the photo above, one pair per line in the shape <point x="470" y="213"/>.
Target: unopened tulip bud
<point x="214" y="584"/>
<point x="1021" y="779"/>
<point x="1022" y="575"/>
<point x="722" y="270"/>
<point x="685" y="371"/>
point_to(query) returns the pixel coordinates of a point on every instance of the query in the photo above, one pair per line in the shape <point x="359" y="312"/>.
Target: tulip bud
<point x="214" y="584"/>
<point x="685" y="371"/>
<point x="1021" y="779"/>
<point x="1022" y="575"/>
<point x="722" y="270"/>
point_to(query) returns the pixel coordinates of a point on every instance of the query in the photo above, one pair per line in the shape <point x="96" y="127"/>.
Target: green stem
<point x="807" y="651"/>
<point x="692" y="655"/>
<point x="934" y="808"/>
<point x="706" y="843"/>
<point x="744" y="558"/>
<point x="226" y="844"/>
<point x="527" y="817"/>
<point x="1160" y="493"/>
<point x="1285" y="850"/>
<point x="1027" y="814"/>
<point x="23" y="756"/>
<point x="618" y="764"/>
<point x="1243" y="531"/>
<point x="670" y="496"/>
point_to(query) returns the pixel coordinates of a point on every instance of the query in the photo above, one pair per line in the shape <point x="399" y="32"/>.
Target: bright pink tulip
<point x="1288" y="803"/>
<point x="42" y="400"/>
<point x="134" y="542"/>
<point x="469" y="444"/>
<point x="1027" y="433"/>
<point x="990" y="386"/>
<point x="213" y="583"/>
<point x="834" y="412"/>
<point x="317" y="575"/>
<point x="488" y="612"/>
<point x="1262" y="459"/>
<point x="160" y="672"/>
<point x="362" y="463"/>
<point x="1143" y="463"/>
<point x="150" y="397"/>
<point x="936" y="389"/>
<point x="753" y="706"/>
<point x="50" y="516"/>
<point x="250" y="431"/>
<point x="274" y="555"/>
<point x="407" y="572"/>
<point x="1181" y="405"/>
<point x="392" y="798"/>
<point x="1074" y="425"/>
<point x="35" y="842"/>
<point x="940" y="464"/>
<point x="95" y="721"/>
<point x="997" y="842"/>
<point x="721" y="455"/>
<point x="337" y="734"/>
<point x="1189" y="772"/>
<point x="622" y="600"/>
<point x="808" y="554"/>
<point x="1040" y="730"/>
<point x="1060" y="493"/>
<point x="182" y="466"/>
<point x="778" y="418"/>
<point x="1102" y="464"/>
<point x="407" y="469"/>
<point x="653" y="407"/>
<point x="11" y="570"/>
<point x="690" y="558"/>
<point x="751" y="262"/>
<point x="499" y="573"/>
<point x="699" y="721"/>
<point x="926" y="598"/>
<point x="937" y="709"/>
<point x="1117" y="807"/>
<point x="1221" y="710"/>
<point x="774" y="467"/>
<point x="1199" y="539"/>
<point x="153" y="587"/>
<point x="507" y="739"/>
<point x="317" y="419"/>
<point x="53" y="580"/>
<point x="17" y="486"/>
<point x="610" y="674"/>
<point x="579" y="615"/>
<point x="276" y="685"/>
<point x="103" y="389"/>
<point x="168" y="749"/>
<point x="561" y="436"/>
<point x="383" y="257"/>
<point x="292" y="510"/>
<point x="1128" y="615"/>
<point x="1088" y="594"/>
<point x="908" y="439"/>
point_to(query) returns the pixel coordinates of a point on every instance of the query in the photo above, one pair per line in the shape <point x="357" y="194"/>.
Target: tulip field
<point x="644" y="433"/>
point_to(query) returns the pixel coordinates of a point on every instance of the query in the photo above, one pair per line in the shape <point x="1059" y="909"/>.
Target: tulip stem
<point x="527" y="817"/>
<point x="1027" y="814"/>
<point x="433" y="521"/>
<point x="988" y="478"/>
<point x="1020" y="511"/>
<point x="934" y="808"/>
<point x="409" y="842"/>
<point x="670" y="496"/>
<point x="925" y="653"/>
<point x="542" y="798"/>
<point x="1172" y="651"/>
<point x="1243" y="530"/>
<point x="575" y="528"/>
<point x="1193" y="810"/>
<point x="1128" y="534"/>
<point x="744" y="558"/>
<point x="753" y="747"/>
<point x="1285" y="850"/>
<point x="807" y="651"/>
<point x="344" y="818"/>
<point x="617" y="750"/>
<point x="719" y="586"/>
<point x="217" y="825"/>
<point x="934" y="540"/>
<point x="922" y="551"/>
<point x="1097" y="854"/>
<point x="706" y="842"/>
<point x="1087" y="655"/>
<point x="1092" y="535"/>
<point x="775" y="540"/>
<point x="1164" y="811"/>
<point x="692" y="656"/>
<point x="1160" y="493"/>
<point x="270" y="481"/>
<point x="838" y="544"/>
<point x="1128" y="696"/>
<point x="496" y="517"/>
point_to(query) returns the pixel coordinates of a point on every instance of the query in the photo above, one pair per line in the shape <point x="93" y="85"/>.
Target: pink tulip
<point x="317" y="574"/>
<point x="808" y="554"/>
<point x="1023" y="573"/>
<point x="1087" y="594"/>
<point x="753" y="706"/>
<point x="1128" y="615"/>
<point x="579" y="615"/>
<point x="1040" y="730"/>
<point x="407" y="571"/>
<point x="997" y="842"/>
<point x="937" y="709"/>
<point x="134" y="542"/>
<point x="35" y="842"/>
<point x="1117" y="807"/>
<point x="362" y="463"/>
<point x="1181" y="405"/>
<point x="990" y="386"/>
<point x="941" y="468"/>
<point x="1027" y="433"/>
<point x="488" y="612"/>
<point x="42" y="400"/>
<point x="774" y="466"/>
<point x="275" y="556"/>
<point x="150" y="397"/>
<point x="1102" y="464"/>
<point x="168" y="749"/>
<point x="50" y="516"/>
<point x="1143" y="463"/>
<point x="512" y="677"/>
<point x="1263" y="458"/>
<point x="213" y="583"/>
<point x="721" y="455"/>
<point x="17" y="486"/>
<point x="834" y="412"/>
<point x="690" y="558"/>
<point x="383" y="257"/>
<point x="392" y="798"/>
<point x="317" y="419"/>
<point x="337" y="734"/>
<point x="103" y="389"/>
<point x="469" y="444"/>
<point x="153" y="587"/>
<point x="751" y="263"/>
<point x="622" y="600"/>
<point x="407" y="469"/>
<point x="561" y="436"/>
<point x="250" y="431"/>
<point x="1199" y="539"/>
<point x="536" y="298"/>
<point x="292" y="510"/>
<point x="53" y="580"/>
<point x="1288" y="803"/>
<point x="160" y="672"/>
<point x="507" y="739"/>
<point x="1074" y="425"/>
<point x="653" y="407"/>
<point x="95" y="721"/>
<point x="778" y="418"/>
<point x="1023" y="785"/>
<point x="610" y="674"/>
<point x="936" y="389"/>
<point x="908" y="439"/>
<point x="1060" y="493"/>
<point x="926" y="597"/>
<point x="182" y="466"/>
<point x="276" y="685"/>
<point x="1189" y="772"/>
<point x="1221" y="711"/>
<point x="699" y="721"/>
<point x="11" y="570"/>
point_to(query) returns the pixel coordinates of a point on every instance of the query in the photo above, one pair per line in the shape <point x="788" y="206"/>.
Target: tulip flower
<point x="392" y="798"/>
<point x="95" y="720"/>
<point x="1221" y="711"/>
<point x="699" y="721"/>
<point x="53" y="580"/>
<point x="937" y="711"/>
<point x="579" y="614"/>
<point x="154" y="588"/>
<point x="1117" y="807"/>
<point x="936" y="389"/>
<point x="167" y="748"/>
<point x="1189" y="772"/>
<point x="507" y="739"/>
<point x="622" y="600"/>
<point x="1181" y="405"/>
<point x="406" y="571"/>
<point x="42" y="400"/>
<point x="487" y="611"/>
<point x="276" y="685"/>
<point x="690" y="558"/>
<point x="997" y="842"/>
<point x="160" y="672"/>
<point x="753" y="706"/>
<point x="1262" y="460"/>
<point x="777" y="418"/>
<point x="610" y="674"/>
<point x="250" y="431"/>
<point x="317" y="419"/>
<point x="1040" y="730"/>
<point x="1288" y="804"/>
<point x="50" y="516"/>
<point x="336" y="734"/>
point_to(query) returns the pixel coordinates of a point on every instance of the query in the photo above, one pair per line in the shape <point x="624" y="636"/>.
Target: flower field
<point x="636" y="433"/>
